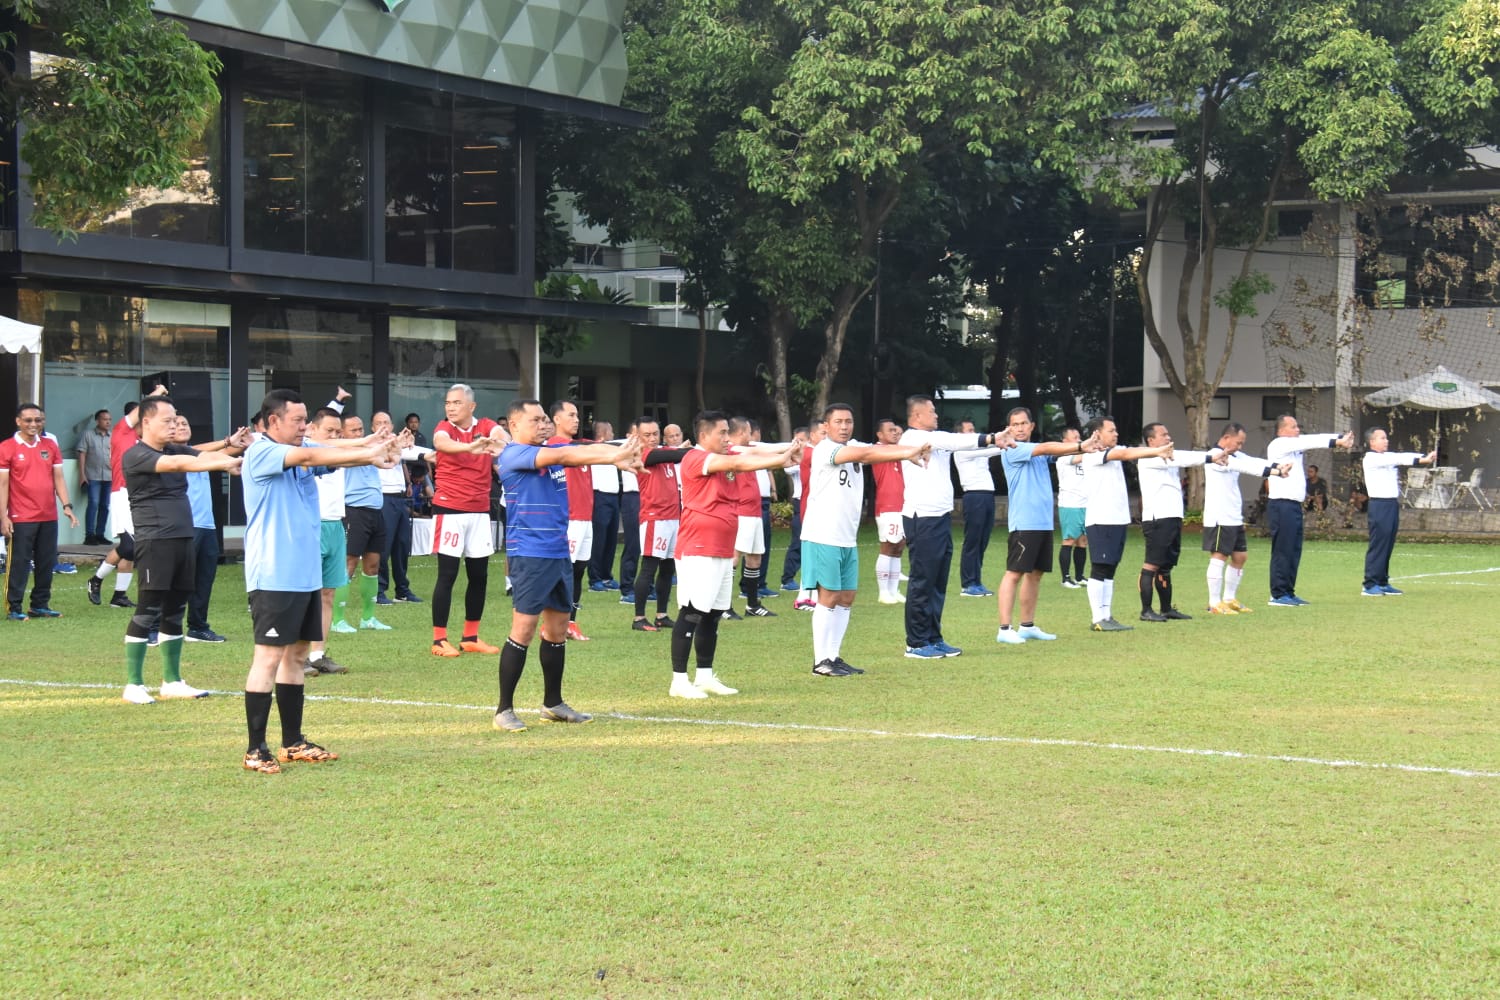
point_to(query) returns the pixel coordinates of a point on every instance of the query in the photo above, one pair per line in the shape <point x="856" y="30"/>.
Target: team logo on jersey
<point x="46" y="455"/>
<point x="729" y="476"/>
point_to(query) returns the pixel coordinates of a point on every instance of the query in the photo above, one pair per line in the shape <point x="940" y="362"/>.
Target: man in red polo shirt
<point x="466" y="447"/>
<point x="564" y="414"/>
<point x="711" y="488"/>
<point x="31" y="486"/>
<point x="661" y="512"/>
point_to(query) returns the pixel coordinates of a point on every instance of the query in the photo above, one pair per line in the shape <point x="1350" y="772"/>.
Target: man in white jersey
<point x="830" y="558"/>
<point x="1161" y="520"/>
<point x="1384" y="489"/>
<point x="1284" y="508"/>
<point x="1108" y="515"/>
<point x="1072" y="501"/>
<point x="1224" y="518"/>
<point x="978" y="484"/>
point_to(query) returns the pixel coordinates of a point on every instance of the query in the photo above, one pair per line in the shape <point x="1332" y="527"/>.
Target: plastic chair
<point x="1415" y="494"/>
<point x="1470" y="486"/>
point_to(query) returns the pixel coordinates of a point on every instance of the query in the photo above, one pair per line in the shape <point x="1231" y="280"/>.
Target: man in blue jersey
<point x="536" y="549"/>
<point x="283" y="571"/>
<point x="1028" y="482"/>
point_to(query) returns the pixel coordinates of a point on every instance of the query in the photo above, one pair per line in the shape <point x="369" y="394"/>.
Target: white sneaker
<point x="180" y="689"/>
<point x="1009" y="636"/>
<point x="684" y="688"/>
<point x="137" y="694"/>
<point x="342" y="627"/>
<point x="893" y="599"/>
<point x="712" y="685"/>
<point x="374" y="623"/>
<point x="1032" y="632"/>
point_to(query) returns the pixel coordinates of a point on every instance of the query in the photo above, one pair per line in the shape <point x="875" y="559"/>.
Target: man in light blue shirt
<point x="283" y="570"/>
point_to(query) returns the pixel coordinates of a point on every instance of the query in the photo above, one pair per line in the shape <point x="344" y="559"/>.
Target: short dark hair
<point x="324" y="412"/>
<point x="276" y="402"/>
<point x="151" y="404"/>
<point x="1231" y="428"/>
<point x="880" y="424"/>
<point x="519" y="406"/>
<point x="642" y="420"/>
<point x="737" y="424"/>
<point x="28" y="406"/>
<point x="1149" y="430"/>
<point x="708" y="418"/>
<point x="1020" y="409"/>
<point x="99" y="413"/>
<point x="799" y="430"/>
<point x="913" y="402"/>
<point x="1097" y="424"/>
<point x="1282" y="418"/>
<point x="407" y="419"/>
<point x="833" y="408"/>
<point x="128" y="409"/>
<point x="1370" y="432"/>
<point x="557" y="406"/>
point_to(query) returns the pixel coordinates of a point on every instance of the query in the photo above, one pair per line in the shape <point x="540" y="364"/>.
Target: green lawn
<point x="1214" y="808"/>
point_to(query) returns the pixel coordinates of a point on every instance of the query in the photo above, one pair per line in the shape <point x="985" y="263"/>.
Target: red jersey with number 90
<point x="463" y="481"/>
<point x="708" y="509"/>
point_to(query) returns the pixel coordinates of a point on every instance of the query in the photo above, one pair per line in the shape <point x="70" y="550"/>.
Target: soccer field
<point x="1294" y="803"/>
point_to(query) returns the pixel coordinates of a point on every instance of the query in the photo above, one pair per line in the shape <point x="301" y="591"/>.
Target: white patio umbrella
<point x="1437" y="390"/>
<point x="16" y="337"/>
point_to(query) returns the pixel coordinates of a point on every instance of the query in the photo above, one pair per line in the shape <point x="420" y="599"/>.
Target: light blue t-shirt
<point x="362" y="487"/>
<point x="201" y="498"/>
<point x="282" y="523"/>
<point x="1029" y="507"/>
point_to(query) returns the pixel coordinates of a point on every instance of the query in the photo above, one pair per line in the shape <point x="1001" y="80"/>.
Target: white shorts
<point x="120" y="521"/>
<point x="658" y="539"/>
<point x="705" y="582"/>
<point x="749" y="537"/>
<point x="469" y="535"/>
<point x="580" y="540"/>
<point x="891" y="529"/>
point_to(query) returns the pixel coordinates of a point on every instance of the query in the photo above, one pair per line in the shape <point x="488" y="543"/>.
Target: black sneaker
<point x="121" y="600"/>
<point x="829" y="668"/>
<point x="1172" y="614"/>
<point x="44" y="613"/>
<point x="1152" y="616"/>
<point x="641" y="625"/>
<point x="760" y="612"/>
<point x="96" y="591"/>
<point x="203" y="635"/>
<point x="664" y="622"/>
<point x="408" y="598"/>
<point x="839" y="661"/>
<point x="732" y="616"/>
<point x="326" y="664"/>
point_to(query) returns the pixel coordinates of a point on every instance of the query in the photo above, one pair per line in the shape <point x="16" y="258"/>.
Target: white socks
<point x="104" y="570"/>
<point x="888" y="575"/>
<point x="1215" y="581"/>
<point x="1232" y="582"/>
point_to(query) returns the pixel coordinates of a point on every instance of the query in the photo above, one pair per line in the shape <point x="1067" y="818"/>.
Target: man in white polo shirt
<point x="1224" y="518"/>
<point x="1284" y="508"/>
<point x="1383" y="485"/>
<point x="1161" y="520"/>
<point x="978" y="484"/>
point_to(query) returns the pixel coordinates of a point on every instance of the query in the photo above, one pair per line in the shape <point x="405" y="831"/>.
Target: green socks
<point x="368" y="585"/>
<point x="171" y="659"/>
<point x="135" y="662"/>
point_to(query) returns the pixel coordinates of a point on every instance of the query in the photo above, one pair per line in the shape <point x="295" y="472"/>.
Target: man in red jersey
<point x="564" y="414"/>
<point x="31" y="487"/>
<point x="712" y="482"/>
<point x="122" y="557"/>
<point x="465" y="447"/>
<point x="661" y="509"/>
<point x="750" y="536"/>
<point x="890" y="492"/>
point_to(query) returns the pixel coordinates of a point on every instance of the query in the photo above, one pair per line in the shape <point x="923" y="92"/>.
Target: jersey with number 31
<point x="835" y="495"/>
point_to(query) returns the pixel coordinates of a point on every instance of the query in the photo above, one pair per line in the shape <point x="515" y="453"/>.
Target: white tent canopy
<point x="16" y="336"/>
<point x="1439" y="389"/>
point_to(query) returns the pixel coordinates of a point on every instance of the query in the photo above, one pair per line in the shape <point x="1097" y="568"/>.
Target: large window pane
<point x="305" y="168"/>
<point x="311" y="351"/>
<point x="450" y="183"/>
<point x="428" y="355"/>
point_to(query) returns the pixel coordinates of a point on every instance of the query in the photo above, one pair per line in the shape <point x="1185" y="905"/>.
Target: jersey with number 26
<point x="835" y="495"/>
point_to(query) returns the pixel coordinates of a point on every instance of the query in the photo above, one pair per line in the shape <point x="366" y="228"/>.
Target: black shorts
<point x="366" y="530"/>
<point x="1225" y="539"/>
<point x="1028" y="552"/>
<point x="126" y="546"/>
<point x="1106" y="544"/>
<point x="285" y="617"/>
<point x="1163" y="541"/>
<point x="539" y="584"/>
<point x="163" y="564"/>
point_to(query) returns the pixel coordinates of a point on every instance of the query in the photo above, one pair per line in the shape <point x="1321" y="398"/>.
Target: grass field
<point x="1297" y="803"/>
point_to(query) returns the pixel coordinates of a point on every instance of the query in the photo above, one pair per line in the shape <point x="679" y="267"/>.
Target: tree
<point x="1267" y="99"/>
<point x="115" y="106"/>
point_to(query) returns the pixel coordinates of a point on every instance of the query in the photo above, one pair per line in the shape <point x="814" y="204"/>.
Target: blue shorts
<point x="1106" y="544"/>
<point x="539" y="584"/>
<point x="331" y="545"/>
<point x="832" y="567"/>
<point x="1071" y="519"/>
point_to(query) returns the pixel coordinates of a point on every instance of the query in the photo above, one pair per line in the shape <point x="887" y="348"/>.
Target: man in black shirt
<point x="155" y="471"/>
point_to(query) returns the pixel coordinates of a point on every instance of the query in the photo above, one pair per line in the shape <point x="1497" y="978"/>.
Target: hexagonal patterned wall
<point x="567" y="47"/>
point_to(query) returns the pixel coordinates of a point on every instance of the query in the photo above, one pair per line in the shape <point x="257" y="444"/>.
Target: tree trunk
<point x="834" y="334"/>
<point x="1197" y="418"/>
<point x="782" y="324"/>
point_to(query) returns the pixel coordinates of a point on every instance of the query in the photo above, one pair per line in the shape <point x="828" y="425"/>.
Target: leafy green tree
<point x="1270" y="98"/>
<point x="116" y="106"/>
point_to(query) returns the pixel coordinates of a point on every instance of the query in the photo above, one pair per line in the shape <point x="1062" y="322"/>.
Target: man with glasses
<point x="31" y="487"/>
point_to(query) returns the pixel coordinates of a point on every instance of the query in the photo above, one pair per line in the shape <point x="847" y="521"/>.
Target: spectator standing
<point x="31" y="487"/>
<point x="1317" y="491"/>
<point x="93" y="464"/>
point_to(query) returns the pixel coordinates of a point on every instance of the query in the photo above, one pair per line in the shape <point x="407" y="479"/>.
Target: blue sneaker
<point x="1376" y="591"/>
<point x="1299" y="601"/>
<point x="17" y="616"/>
<point x="766" y="592"/>
<point x="1390" y="591"/>
<point x="65" y="568"/>
<point x="598" y="587"/>
<point x="1284" y="601"/>
<point x="977" y="590"/>
<point x="946" y="649"/>
<point x="611" y="585"/>
<point x="790" y="586"/>
<point x="924" y="653"/>
<point x="383" y="600"/>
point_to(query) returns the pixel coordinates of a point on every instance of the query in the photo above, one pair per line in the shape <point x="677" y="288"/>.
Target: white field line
<point x="883" y="733"/>
<point x="1452" y="572"/>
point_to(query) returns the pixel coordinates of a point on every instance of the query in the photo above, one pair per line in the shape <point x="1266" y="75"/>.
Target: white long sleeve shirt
<point x="974" y="468"/>
<point x="1109" y="501"/>
<point x="1161" y="483"/>
<point x="1291" y="449"/>
<point x="1382" y="481"/>
<point x="1223" y="504"/>
<point x="929" y="488"/>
